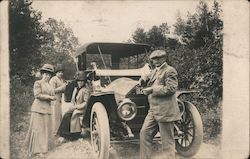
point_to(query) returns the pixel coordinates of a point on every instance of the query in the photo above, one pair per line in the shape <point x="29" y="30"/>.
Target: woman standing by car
<point x="59" y="85"/>
<point x="39" y="134"/>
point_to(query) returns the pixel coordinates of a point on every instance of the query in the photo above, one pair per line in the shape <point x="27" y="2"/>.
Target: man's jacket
<point x="162" y="101"/>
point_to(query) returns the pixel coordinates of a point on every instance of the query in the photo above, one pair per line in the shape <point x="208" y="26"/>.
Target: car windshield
<point x="112" y="55"/>
<point x="105" y="61"/>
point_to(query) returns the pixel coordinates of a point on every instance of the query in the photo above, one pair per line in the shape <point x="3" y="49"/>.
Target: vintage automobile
<point x="117" y="107"/>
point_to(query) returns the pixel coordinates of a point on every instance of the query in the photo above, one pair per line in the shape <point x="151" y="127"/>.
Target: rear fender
<point x="109" y="102"/>
<point x="182" y="92"/>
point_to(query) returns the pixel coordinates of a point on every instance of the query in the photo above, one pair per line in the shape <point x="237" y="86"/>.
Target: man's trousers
<point x="148" y="131"/>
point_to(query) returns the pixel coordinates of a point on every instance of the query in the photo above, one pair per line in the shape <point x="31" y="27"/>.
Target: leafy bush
<point x="21" y="98"/>
<point x="26" y="37"/>
<point x="212" y="122"/>
<point x="196" y="53"/>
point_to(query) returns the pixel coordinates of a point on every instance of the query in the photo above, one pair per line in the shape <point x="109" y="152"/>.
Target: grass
<point x="19" y="130"/>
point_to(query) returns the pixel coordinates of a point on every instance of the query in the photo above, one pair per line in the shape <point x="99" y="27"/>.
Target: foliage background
<point x="196" y="52"/>
<point x="194" y="49"/>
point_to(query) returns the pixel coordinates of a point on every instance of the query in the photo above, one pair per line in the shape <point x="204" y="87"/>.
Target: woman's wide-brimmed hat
<point x="47" y="68"/>
<point x="59" y="67"/>
<point x="80" y="76"/>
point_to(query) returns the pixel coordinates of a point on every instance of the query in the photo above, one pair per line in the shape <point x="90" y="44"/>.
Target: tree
<point x="139" y="36"/>
<point x="200" y="27"/>
<point x="196" y="53"/>
<point x="60" y="45"/>
<point x="156" y="36"/>
<point x="26" y="37"/>
<point x="199" y="61"/>
<point x="201" y="34"/>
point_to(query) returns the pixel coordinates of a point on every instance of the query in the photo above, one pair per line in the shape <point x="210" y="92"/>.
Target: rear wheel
<point x="190" y="141"/>
<point x="100" y="134"/>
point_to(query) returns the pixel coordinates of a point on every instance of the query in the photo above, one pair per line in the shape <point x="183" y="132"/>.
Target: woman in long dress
<point x="59" y="85"/>
<point x="70" y="127"/>
<point x="39" y="136"/>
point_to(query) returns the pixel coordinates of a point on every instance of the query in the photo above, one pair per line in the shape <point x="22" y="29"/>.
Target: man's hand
<point x="140" y="81"/>
<point x="52" y="98"/>
<point x="147" y="91"/>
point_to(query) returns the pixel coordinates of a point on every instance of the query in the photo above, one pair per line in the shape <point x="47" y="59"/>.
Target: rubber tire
<point x="102" y="117"/>
<point x="198" y="133"/>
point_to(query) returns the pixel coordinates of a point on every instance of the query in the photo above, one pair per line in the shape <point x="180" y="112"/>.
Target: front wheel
<point x="190" y="125"/>
<point x="100" y="134"/>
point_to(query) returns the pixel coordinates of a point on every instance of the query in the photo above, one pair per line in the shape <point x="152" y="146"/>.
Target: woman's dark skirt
<point x="64" y="128"/>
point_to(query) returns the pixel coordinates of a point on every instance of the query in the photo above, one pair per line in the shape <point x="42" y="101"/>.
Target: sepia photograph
<point x="124" y="79"/>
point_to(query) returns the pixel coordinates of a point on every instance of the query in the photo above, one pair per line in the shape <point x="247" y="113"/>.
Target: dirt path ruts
<point x="81" y="149"/>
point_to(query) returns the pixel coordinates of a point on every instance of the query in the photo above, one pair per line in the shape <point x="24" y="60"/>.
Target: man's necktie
<point x="153" y="75"/>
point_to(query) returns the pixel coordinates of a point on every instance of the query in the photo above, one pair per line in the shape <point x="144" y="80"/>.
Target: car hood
<point x="121" y="87"/>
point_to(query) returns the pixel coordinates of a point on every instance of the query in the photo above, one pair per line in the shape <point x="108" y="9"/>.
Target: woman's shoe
<point x="61" y="140"/>
<point x="85" y="133"/>
<point x="41" y="155"/>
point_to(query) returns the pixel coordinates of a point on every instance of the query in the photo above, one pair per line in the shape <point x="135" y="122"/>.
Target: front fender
<point x="109" y="102"/>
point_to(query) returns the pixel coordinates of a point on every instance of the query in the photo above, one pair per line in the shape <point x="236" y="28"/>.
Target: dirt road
<point x="81" y="149"/>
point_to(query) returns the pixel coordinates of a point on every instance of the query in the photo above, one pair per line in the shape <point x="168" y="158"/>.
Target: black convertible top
<point x="119" y="49"/>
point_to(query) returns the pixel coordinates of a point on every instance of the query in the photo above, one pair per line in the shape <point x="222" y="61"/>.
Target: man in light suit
<point x="161" y="87"/>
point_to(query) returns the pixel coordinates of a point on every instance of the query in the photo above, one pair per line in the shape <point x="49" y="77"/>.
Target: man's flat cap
<point x="157" y="53"/>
